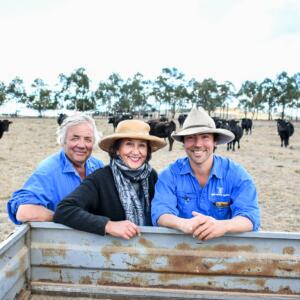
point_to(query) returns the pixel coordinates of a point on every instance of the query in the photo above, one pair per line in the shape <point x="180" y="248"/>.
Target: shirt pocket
<point x="220" y="207"/>
<point x="187" y="202"/>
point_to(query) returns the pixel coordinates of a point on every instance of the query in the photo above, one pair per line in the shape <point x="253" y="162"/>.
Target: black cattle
<point x="115" y="120"/>
<point x="238" y="133"/>
<point x="163" y="118"/>
<point x="163" y="130"/>
<point x="61" y="118"/>
<point x="219" y="122"/>
<point x="285" y="130"/>
<point x="247" y="125"/>
<point x="4" y="126"/>
<point x="146" y="116"/>
<point x="181" y="119"/>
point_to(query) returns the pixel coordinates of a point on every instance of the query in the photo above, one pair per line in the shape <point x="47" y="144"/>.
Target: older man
<point x="59" y="174"/>
<point x="205" y="194"/>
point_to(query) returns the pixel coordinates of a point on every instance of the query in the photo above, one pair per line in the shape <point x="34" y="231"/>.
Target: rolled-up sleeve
<point x="244" y="196"/>
<point x="165" y="200"/>
<point x="37" y="190"/>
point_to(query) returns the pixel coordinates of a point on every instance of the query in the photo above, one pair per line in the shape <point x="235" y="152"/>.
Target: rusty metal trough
<point x="51" y="259"/>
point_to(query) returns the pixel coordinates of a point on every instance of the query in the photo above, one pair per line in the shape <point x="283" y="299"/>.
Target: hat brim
<point x="224" y="136"/>
<point x="156" y="143"/>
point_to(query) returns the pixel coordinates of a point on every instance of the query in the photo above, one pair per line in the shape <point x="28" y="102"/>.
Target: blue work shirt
<point x="54" y="178"/>
<point x="229" y="192"/>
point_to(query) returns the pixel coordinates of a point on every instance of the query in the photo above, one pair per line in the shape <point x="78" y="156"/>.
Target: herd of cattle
<point x="163" y="128"/>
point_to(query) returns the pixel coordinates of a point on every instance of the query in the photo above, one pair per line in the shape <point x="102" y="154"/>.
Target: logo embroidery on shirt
<point x="220" y="191"/>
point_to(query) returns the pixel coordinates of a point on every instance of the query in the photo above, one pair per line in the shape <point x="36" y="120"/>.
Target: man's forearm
<point x="34" y="213"/>
<point x="239" y="224"/>
<point x="171" y="221"/>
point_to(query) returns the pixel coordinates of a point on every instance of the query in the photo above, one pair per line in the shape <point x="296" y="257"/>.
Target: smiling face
<point x="200" y="149"/>
<point x="78" y="144"/>
<point x="133" y="152"/>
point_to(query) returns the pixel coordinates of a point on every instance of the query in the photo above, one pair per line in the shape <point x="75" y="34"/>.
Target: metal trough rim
<point x="121" y="292"/>
<point x="163" y="230"/>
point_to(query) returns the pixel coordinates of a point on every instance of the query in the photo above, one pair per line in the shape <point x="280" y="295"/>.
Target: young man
<point x="59" y="174"/>
<point x="204" y="194"/>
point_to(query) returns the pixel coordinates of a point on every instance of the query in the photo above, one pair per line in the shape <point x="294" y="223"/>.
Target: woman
<point x="115" y="200"/>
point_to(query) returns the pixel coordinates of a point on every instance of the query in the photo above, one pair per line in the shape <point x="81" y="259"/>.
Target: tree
<point x="139" y="92"/>
<point x="109" y="92"/>
<point x="269" y="94"/>
<point x="206" y="94"/>
<point x="16" y="90"/>
<point x="296" y="78"/>
<point x="246" y="95"/>
<point x="225" y="93"/>
<point x="287" y="91"/>
<point x="2" y="93"/>
<point x="76" y="90"/>
<point x="40" y="98"/>
<point x="169" y="88"/>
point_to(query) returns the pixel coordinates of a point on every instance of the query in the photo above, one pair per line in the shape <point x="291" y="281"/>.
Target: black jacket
<point x="96" y="201"/>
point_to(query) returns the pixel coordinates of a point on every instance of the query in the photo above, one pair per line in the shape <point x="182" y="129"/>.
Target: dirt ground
<point x="275" y="170"/>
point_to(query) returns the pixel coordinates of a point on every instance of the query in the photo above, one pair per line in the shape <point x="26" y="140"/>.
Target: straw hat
<point x="199" y="122"/>
<point x="132" y="129"/>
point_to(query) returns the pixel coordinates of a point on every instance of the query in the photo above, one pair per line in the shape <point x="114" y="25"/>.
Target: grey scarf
<point x="135" y="201"/>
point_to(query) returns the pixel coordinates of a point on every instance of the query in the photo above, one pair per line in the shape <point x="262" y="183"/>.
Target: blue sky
<point x="233" y="40"/>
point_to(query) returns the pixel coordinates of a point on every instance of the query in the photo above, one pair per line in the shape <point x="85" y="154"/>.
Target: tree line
<point x="169" y="89"/>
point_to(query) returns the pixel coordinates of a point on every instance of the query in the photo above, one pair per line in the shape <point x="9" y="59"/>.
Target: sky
<point x="234" y="40"/>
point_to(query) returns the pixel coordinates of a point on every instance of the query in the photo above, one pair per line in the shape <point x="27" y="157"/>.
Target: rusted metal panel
<point x="14" y="263"/>
<point x="162" y="258"/>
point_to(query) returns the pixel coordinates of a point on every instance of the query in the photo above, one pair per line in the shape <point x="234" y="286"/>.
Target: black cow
<point x="247" y="125"/>
<point x="4" y="126"/>
<point x="238" y="133"/>
<point x="285" y="130"/>
<point x="115" y="120"/>
<point x="61" y="118"/>
<point x="181" y="119"/>
<point x="163" y="130"/>
<point x="163" y="118"/>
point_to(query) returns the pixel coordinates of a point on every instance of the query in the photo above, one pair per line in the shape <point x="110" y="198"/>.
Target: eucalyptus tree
<point x="287" y="91"/>
<point x="296" y="77"/>
<point x="75" y="90"/>
<point x="247" y="96"/>
<point x="225" y="94"/>
<point x="169" y="88"/>
<point x="40" y="98"/>
<point x="2" y="92"/>
<point x="16" y="90"/>
<point x="206" y="94"/>
<point x="108" y="92"/>
<point x="139" y="90"/>
<point x="269" y="94"/>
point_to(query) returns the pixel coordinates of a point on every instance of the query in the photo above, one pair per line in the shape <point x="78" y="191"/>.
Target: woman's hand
<point x="124" y="229"/>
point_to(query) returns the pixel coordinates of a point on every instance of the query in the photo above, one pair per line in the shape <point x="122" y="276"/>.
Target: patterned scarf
<point x="134" y="201"/>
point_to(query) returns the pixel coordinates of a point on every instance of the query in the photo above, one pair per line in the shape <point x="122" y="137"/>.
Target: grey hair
<point x="71" y="121"/>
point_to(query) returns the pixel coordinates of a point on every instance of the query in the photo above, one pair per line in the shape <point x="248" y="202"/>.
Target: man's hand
<point x="124" y="229"/>
<point x="208" y="227"/>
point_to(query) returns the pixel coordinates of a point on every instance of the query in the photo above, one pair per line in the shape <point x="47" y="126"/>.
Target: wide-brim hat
<point x="132" y="129"/>
<point x="199" y="122"/>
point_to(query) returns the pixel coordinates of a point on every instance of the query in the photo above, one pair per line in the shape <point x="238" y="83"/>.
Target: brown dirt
<point x="275" y="170"/>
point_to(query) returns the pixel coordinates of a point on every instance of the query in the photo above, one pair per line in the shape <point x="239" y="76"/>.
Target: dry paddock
<point x="275" y="170"/>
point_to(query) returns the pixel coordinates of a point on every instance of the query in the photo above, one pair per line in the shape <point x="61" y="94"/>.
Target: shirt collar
<point x="186" y="167"/>
<point x="68" y="166"/>
<point x="216" y="168"/>
<point x="90" y="165"/>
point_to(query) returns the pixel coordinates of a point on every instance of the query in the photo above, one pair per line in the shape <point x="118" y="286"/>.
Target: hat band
<point x="195" y="126"/>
